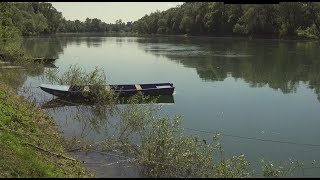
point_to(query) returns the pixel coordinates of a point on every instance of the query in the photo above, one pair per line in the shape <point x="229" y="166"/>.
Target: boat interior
<point x="124" y="87"/>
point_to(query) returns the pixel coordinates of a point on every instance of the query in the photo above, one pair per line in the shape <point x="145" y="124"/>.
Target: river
<point x="263" y="96"/>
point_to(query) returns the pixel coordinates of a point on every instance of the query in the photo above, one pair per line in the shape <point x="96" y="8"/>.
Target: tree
<point x="258" y="20"/>
<point x="186" y="24"/>
<point x="215" y="17"/>
<point x="95" y="25"/>
<point x="78" y="26"/>
<point x="7" y="28"/>
<point x="87" y="24"/>
<point x="162" y="26"/>
<point x="290" y="17"/>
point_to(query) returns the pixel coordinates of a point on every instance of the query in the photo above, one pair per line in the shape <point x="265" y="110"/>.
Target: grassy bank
<point x="30" y="143"/>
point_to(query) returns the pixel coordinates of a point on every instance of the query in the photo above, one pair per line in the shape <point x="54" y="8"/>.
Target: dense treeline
<point x="35" y="18"/>
<point x="32" y="18"/>
<point x="286" y="19"/>
<point x="7" y="28"/>
<point x="94" y="25"/>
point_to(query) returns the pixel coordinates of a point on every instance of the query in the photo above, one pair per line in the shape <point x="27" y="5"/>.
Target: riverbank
<point x="30" y="143"/>
<point x="187" y="36"/>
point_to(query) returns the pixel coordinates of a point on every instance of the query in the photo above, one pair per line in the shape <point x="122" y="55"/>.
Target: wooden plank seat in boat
<point x="138" y="87"/>
<point x="108" y="88"/>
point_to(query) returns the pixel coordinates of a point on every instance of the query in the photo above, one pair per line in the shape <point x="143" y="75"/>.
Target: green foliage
<point x="216" y="18"/>
<point x="22" y="124"/>
<point x="287" y="169"/>
<point x="309" y="33"/>
<point x="7" y="28"/>
<point x="163" y="150"/>
<point x="31" y="18"/>
<point x="258" y="20"/>
<point x="290" y="17"/>
<point x="19" y="161"/>
<point x="75" y="75"/>
<point x="286" y="19"/>
<point x="36" y="18"/>
<point x="186" y="24"/>
<point x="96" y="79"/>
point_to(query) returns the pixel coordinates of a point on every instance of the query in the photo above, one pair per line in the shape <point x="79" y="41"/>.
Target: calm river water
<point x="262" y="95"/>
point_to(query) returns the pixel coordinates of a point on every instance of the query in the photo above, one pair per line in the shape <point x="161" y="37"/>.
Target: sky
<point x="109" y="12"/>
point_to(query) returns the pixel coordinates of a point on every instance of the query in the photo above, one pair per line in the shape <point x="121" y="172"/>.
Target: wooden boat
<point x="75" y="91"/>
<point x="66" y="102"/>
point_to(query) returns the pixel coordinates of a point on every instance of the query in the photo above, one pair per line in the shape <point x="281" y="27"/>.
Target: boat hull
<point x="121" y="90"/>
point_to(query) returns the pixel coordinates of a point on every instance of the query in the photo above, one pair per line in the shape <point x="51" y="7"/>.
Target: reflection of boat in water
<point x="43" y="60"/>
<point x="49" y="65"/>
<point x="62" y="102"/>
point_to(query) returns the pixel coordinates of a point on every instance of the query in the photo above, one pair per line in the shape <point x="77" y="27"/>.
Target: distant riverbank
<point x="130" y="34"/>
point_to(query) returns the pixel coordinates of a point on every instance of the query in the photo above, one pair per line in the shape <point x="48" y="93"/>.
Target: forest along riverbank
<point x="30" y="143"/>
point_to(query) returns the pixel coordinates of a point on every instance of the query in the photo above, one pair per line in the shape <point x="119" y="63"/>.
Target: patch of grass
<point x="24" y="128"/>
<point x="97" y="80"/>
